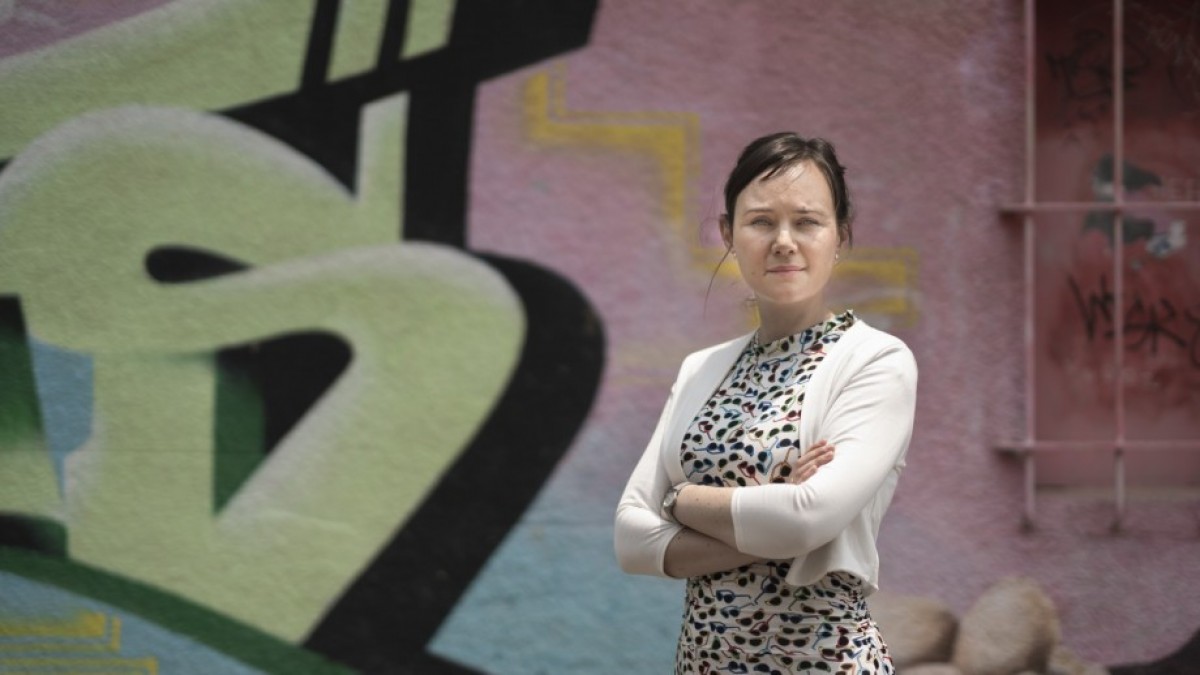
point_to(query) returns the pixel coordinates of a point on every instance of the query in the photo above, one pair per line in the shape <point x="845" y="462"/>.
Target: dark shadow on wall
<point x="1184" y="661"/>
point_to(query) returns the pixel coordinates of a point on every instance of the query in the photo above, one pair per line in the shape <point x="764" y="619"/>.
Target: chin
<point x="792" y="300"/>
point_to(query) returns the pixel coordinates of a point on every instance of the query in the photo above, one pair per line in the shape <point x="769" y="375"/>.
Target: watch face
<point x="668" y="503"/>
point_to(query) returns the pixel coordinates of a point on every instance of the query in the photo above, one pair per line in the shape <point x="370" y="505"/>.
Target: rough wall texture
<point x="331" y="330"/>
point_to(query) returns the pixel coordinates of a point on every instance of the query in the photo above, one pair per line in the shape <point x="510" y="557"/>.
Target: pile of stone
<point x="1012" y="629"/>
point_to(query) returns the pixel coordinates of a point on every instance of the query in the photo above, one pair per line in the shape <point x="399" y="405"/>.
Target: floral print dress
<point x="749" y="620"/>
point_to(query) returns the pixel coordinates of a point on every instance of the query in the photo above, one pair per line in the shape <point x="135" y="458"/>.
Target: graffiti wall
<point x="330" y="330"/>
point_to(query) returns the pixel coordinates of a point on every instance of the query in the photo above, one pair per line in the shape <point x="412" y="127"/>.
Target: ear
<point x="843" y="236"/>
<point x="726" y="231"/>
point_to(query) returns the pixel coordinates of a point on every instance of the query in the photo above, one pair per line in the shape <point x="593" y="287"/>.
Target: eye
<point x="760" y="222"/>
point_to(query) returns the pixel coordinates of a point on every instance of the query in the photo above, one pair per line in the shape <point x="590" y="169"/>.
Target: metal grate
<point x="1030" y="447"/>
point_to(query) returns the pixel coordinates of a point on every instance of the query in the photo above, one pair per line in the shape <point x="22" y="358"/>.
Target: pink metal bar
<point x="1061" y="207"/>
<point x="1119" y="488"/>
<point x="1030" y="280"/>
<point x="1030" y="102"/>
<point x="1118" y="253"/>
<point x="1022" y="447"/>
<point x="1030" y="491"/>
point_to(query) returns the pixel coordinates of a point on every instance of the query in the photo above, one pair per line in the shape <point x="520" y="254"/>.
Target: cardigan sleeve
<point x="869" y="422"/>
<point x="641" y="535"/>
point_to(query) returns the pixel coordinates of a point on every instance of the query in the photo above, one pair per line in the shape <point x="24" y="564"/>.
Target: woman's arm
<point x="640" y="535"/>
<point x="870" y="420"/>
<point x="691" y="554"/>
<point x="707" y="509"/>
<point x="707" y="543"/>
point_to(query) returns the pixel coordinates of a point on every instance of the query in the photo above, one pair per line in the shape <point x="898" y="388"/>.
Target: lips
<point x="785" y="268"/>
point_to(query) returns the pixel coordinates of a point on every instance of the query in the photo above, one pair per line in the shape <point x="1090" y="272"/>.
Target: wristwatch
<point x="667" y="510"/>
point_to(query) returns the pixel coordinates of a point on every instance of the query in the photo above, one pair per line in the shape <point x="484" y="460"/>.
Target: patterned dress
<point x="749" y="620"/>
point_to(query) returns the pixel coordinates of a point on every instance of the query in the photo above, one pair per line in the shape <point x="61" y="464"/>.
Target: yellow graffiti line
<point x="83" y="624"/>
<point x="146" y="665"/>
<point x="669" y="138"/>
<point x="55" y="670"/>
<point x="885" y="277"/>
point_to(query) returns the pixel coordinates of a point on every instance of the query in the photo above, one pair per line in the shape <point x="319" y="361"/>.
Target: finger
<point x="803" y="476"/>
<point x="806" y="466"/>
<point x="805" y="472"/>
<point x="815" y="458"/>
<point x="821" y="456"/>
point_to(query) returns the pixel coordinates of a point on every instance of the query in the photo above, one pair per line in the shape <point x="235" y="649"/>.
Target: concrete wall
<point x="330" y="330"/>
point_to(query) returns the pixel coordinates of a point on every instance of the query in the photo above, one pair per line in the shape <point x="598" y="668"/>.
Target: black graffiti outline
<point x="1074" y="67"/>
<point x="1085" y="68"/>
<point x="1145" y="322"/>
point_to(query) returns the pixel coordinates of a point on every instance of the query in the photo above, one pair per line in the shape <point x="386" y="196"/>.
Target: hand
<point x="818" y="455"/>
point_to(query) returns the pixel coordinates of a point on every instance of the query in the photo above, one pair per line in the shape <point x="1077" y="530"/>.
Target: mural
<point x="270" y="322"/>
<point x="331" y="330"/>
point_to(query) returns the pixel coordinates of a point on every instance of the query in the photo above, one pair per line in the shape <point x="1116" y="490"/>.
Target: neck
<point x="777" y="322"/>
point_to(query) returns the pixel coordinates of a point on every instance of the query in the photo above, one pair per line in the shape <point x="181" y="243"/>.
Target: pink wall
<point x="925" y="101"/>
<point x="595" y="157"/>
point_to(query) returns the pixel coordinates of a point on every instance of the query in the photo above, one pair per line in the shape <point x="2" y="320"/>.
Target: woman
<point x="777" y="545"/>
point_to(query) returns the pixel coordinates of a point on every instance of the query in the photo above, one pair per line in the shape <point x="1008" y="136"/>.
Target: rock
<point x="916" y="630"/>
<point x="1012" y="627"/>
<point x="931" y="669"/>
<point x="1063" y="661"/>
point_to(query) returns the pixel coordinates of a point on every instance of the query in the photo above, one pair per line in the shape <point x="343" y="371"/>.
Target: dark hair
<point x="768" y="155"/>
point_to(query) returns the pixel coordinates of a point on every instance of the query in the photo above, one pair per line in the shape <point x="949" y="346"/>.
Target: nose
<point x="784" y="243"/>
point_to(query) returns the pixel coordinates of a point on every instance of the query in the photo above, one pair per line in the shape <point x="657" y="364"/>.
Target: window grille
<point x="1105" y="77"/>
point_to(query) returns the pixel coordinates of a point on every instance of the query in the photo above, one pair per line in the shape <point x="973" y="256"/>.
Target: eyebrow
<point x="765" y="209"/>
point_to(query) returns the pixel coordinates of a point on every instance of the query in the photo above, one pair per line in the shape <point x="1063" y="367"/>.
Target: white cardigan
<point x="861" y="399"/>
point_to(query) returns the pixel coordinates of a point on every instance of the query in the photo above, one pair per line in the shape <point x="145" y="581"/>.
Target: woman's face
<point x="784" y="235"/>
